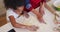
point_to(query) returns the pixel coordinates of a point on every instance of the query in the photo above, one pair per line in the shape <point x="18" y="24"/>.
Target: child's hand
<point x="32" y="28"/>
<point x="26" y="14"/>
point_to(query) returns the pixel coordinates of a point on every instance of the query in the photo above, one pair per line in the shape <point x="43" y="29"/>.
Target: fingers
<point x="57" y="14"/>
<point x="33" y="28"/>
<point x="42" y="20"/>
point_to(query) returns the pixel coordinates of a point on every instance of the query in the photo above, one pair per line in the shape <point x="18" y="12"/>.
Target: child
<point x="15" y="14"/>
<point x="32" y="4"/>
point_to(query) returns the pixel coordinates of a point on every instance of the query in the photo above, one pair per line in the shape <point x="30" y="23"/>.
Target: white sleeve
<point x="9" y="13"/>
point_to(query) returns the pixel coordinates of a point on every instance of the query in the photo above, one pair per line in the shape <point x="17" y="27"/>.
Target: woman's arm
<point x="36" y="13"/>
<point x="29" y="7"/>
<point x="51" y="9"/>
<point x="39" y="16"/>
<point x="41" y="9"/>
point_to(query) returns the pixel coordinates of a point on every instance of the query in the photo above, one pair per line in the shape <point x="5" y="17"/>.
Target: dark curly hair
<point x="14" y="3"/>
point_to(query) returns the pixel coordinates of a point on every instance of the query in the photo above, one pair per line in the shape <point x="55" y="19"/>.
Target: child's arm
<point x="18" y="25"/>
<point x="51" y="9"/>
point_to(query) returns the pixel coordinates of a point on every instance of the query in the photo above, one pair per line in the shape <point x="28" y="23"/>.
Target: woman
<point x="32" y="4"/>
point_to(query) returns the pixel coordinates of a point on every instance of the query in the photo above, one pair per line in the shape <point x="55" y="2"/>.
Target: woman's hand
<point x="32" y="28"/>
<point x="41" y="20"/>
<point x="58" y="15"/>
<point x="39" y="16"/>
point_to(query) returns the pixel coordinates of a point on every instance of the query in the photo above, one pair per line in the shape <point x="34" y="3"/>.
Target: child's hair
<point x="14" y="3"/>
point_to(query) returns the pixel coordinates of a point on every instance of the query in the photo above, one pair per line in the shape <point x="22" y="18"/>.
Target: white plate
<point x="56" y="3"/>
